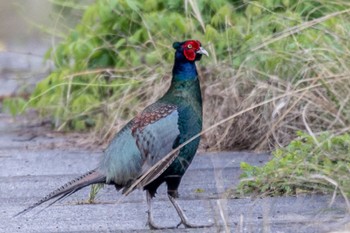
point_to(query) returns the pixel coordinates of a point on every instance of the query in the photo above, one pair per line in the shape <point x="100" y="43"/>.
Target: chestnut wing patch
<point x="155" y="130"/>
<point x="151" y="115"/>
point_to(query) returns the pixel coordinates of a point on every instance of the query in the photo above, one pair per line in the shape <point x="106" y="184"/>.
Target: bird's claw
<point x="179" y="224"/>
<point x="153" y="226"/>
<point x="185" y="223"/>
<point x="190" y="225"/>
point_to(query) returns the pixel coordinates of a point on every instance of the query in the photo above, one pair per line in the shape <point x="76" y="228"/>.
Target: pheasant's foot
<point x="154" y="226"/>
<point x="150" y="221"/>
<point x="184" y="221"/>
<point x="187" y="224"/>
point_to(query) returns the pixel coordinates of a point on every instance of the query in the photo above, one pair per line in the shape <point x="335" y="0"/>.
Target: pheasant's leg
<point x="150" y="216"/>
<point x="150" y="222"/>
<point x="183" y="217"/>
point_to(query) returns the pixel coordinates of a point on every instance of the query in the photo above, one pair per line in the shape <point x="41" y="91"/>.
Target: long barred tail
<point x="92" y="177"/>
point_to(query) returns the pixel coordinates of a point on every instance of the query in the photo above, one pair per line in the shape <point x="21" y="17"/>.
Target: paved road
<point x="29" y="169"/>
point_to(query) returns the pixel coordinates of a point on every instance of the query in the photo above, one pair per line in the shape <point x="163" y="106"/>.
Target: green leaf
<point x="14" y="105"/>
<point x="95" y="188"/>
<point x="253" y="10"/>
<point x="211" y="34"/>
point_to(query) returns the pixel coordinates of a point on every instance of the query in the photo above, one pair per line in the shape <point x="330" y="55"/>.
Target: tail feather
<point x="91" y="177"/>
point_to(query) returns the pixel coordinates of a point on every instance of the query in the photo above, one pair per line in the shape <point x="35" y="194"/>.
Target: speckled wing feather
<point x="144" y="141"/>
<point x="155" y="131"/>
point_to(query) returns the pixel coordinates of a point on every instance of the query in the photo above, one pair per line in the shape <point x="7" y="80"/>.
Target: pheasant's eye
<point x="189" y="46"/>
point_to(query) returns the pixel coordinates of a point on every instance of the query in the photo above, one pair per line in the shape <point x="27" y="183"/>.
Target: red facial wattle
<point x="190" y="48"/>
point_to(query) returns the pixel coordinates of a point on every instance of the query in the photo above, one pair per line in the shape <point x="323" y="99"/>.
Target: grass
<point x="275" y="68"/>
<point x="308" y="164"/>
<point x="286" y="108"/>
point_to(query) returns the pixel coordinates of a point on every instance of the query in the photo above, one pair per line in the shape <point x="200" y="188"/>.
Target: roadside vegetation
<point x="276" y="68"/>
<point x="308" y="164"/>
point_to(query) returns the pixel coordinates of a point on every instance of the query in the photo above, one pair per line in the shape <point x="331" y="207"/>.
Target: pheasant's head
<point x="190" y="49"/>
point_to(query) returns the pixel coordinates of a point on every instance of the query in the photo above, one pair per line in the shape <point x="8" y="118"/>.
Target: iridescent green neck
<point x="183" y="69"/>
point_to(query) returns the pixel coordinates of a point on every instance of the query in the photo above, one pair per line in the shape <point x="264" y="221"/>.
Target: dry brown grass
<point x="270" y="109"/>
<point x="304" y="105"/>
<point x="307" y="90"/>
<point x="264" y="101"/>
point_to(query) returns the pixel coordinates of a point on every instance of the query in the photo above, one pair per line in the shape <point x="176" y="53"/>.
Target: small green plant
<point x="95" y="188"/>
<point x="307" y="164"/>
<point x="13" y="105"/>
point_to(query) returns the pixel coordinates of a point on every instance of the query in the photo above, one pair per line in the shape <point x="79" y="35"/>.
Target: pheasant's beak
<point x="203" y="51"/>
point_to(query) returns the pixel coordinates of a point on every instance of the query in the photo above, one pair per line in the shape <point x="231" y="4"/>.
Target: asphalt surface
<point x="32" y="165"/>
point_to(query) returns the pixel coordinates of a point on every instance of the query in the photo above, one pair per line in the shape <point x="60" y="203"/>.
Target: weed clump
<point x="308" y="164"/>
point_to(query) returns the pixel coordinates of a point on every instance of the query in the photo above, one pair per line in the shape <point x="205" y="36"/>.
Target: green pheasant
<point x="139" y="154"/>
